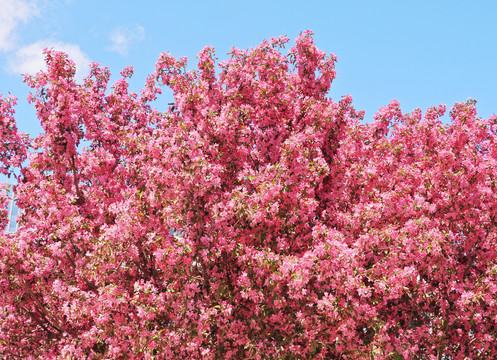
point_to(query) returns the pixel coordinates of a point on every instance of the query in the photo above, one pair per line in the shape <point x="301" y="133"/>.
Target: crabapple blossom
<point x="255" y="218"/>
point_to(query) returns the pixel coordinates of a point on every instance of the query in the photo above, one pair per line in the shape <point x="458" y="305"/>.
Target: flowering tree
<point x="256" y="218"/>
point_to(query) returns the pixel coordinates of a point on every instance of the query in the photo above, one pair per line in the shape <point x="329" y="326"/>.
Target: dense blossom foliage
<point x="256" y="218"/>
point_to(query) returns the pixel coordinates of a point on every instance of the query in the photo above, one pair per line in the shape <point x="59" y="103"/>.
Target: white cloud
<point x="30" y="59"/>
<point x="123" y="37"/>
<point x="13" y="12"/>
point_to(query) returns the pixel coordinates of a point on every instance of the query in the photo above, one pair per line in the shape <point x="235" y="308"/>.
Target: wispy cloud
<point x="123" y="37"/>
<point x="12" y="13"/>
<point x="29" y="59"/>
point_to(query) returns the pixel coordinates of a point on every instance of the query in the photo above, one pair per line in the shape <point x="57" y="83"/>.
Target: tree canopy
<point x="256" y="218"/>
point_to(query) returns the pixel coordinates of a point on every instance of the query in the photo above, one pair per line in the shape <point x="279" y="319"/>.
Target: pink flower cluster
<point x="256" y="218"/>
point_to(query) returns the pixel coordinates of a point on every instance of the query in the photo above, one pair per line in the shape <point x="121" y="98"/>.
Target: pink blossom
<point x="255" y="218"/>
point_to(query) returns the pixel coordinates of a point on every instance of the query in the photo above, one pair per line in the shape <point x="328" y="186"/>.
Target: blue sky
<point x="422" y="53"/>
